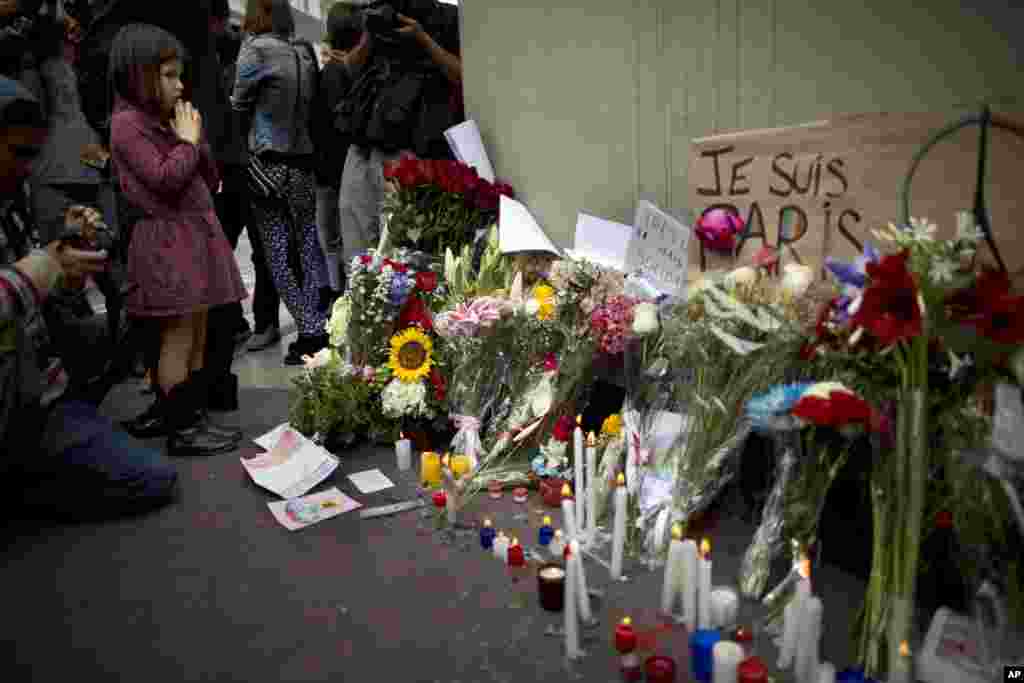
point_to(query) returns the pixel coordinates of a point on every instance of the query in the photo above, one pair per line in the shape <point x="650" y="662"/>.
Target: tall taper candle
<point x="576" y="562"/>
<point x="726" y="657"/>
<point x="572" y="634"/>
<point x="568" y="513"/>
<point x="670" y="588"/>
<point x="793" y="616"/>
<point x="591" y="488"/>
<point x="809" y="641"/>
<point x="689" y="584"/>
<point x="826" y="673"/>
<point x="704" y="586"/>
<point x="578" y="457"/>
<point x="619" y="534"/>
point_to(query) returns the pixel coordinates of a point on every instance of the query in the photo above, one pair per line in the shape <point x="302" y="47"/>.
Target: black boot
<point x="151" y="423"/>
<point x="189" y="430"/>
<point x="223" y="394"/>
<point x="204" y="386"/>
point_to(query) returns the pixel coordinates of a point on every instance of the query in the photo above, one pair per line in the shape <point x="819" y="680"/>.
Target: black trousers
<point x="234" y="212"/>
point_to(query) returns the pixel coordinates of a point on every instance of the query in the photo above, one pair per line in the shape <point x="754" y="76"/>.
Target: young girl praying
<point x="179" y="262"/>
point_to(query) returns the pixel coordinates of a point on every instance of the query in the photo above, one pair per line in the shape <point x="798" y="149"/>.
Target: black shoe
<point x="308" y="345"/>
<point x="189" y="431"/>
<point x="264" y="338"/>
<point x="149" y="424"/>
<point x="242" y="342"/>
<point x="223" y="394"/>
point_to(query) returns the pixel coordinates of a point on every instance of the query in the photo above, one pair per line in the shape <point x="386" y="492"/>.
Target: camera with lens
<point x="380" y="20"/>
<point x="85" y="229"/>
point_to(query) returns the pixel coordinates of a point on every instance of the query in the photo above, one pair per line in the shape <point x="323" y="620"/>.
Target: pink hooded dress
<point x="179" y="261"/>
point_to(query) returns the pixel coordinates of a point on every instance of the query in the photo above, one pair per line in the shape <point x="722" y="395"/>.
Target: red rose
<point x="437" y="381"/>
<point x="366" y="259"/>
<point x="504" y="189"/>
<point x="427" y="171"/>
<point x="839" y="409"/>
<point x="415" y="312"/>
<point x="426" y="281"/>
<point x="390" y="170"/>
<point x="563" y="429"/>
<point x="408" y="173"/>
<point x="551" y="362"/>
<point x="889" y="310"/>
<point x="486" y="196"/>
<point x="396" y="266"/>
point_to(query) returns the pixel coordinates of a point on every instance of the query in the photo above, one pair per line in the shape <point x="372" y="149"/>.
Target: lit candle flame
<point x="804" y="567"/>
<point x="579" y="420"/>
<point x="620" y="480"/>
<point x="487" y="522"/>
<point x="401" y="435"/>
<point x="591" y="440"/>
<point x="566" y="491"/>
<point x="677" y="532"/>
<point x="547" y="521"/>
<point x="705" y="549"/>
<point x="558" y="533"/>
<point x="444" y="460"/>
<point x="904" y="649"/>
<point x="515" y="541"/>
<point x="626" y="621"/>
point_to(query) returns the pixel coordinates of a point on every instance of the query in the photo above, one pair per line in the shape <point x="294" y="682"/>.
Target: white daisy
<point x="923" y="229"/>
<point x="942" y="270"/>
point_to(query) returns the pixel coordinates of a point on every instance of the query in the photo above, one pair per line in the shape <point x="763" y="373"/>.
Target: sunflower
<point x="411" y="355"/>
<point x="545" y="297"/>
<point x="612" y="425"/>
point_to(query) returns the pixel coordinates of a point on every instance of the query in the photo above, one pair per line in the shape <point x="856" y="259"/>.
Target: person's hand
<point x="332" y="56"/>
<point x="410" y="28"/>
<point x="77" y="263"/>
<point x="358" y="55"/>
<point x="187" y="123"/>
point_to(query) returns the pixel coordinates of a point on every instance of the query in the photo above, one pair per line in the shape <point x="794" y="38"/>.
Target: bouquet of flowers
<point x="438" y="204"/>
<point x="385" y="294"/>
<point x="917" y="328"/>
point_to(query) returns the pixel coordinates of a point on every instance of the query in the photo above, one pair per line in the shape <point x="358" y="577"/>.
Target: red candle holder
<point x="752" y="670"/>
<point x="630" y="668"/>
<point x="440" y="499"/>
<point x="660" y="669"/>
<point x="551" y="586"/>
<point x="551" y="491"/>
<point x="520" y="495"/>
<point x="625" y="637"/>
<point x="494" y="489"/>
<point x="516" y="557"/>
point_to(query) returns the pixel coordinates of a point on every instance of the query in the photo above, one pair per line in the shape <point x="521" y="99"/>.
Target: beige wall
<point x="593" y="107"/>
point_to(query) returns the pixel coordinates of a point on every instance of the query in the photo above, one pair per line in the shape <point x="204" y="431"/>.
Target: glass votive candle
<point x="551" y="586"/>
<point x="494" y="489"/>
<point x="430" y="469"/>
<point x="520" y="495"/>
<point x="660" y="669"/>
<point x="460" y="465"/>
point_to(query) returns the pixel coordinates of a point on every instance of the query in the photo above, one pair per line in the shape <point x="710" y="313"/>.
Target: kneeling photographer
<point x="403" y="59"/>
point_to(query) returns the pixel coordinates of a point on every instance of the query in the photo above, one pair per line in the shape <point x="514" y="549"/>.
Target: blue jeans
<point x="106" y="473"/>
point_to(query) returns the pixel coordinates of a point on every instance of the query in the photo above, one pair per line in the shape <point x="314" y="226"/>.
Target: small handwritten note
<point x="659" y="248"/>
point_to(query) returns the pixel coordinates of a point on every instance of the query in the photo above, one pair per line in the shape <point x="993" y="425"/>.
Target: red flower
<point x="563" y="429"/>
<point x="415" y="312"/>
<point x="366" y="259"/>
<point x="396" y="266"/>
<point x="889" y="310"/>
<point x="504" y="189"/>
<point x="426" y="281"/>
<point x="551" y="362"/>
<point x="839" y="409"/>
<point x="440" y="386"/>
<point x="990" y="307"/>
<point x="407" y="172"/>
<point x="486" y="196"/>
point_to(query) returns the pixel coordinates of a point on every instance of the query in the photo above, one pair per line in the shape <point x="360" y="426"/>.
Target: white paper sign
<point x="1008" y="421"/>
<point x="299" y="513"/>
<point x="601" y="241"/>
<point x="468" y="147"/>
<point x="518" y="230"/>
<point x="660" y="248"/>
<point x="293" y="466"/>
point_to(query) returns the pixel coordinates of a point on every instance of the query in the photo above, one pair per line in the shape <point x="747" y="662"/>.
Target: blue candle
<point x="487" y="534"/>
<point x="546" y="533"/>
<point x="852" y="675"/>
<point x="702" y="642"/>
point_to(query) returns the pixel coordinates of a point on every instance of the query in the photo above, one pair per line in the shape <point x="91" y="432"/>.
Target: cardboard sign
<point x="818" y="189"/>
<point x="659" y="248"/>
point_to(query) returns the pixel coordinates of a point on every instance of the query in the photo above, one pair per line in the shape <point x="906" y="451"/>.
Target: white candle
<point x="576" y="561"/>
<point x="403" y="453"/>
<point x="578" y="457"/>
<point x="501" y="547"/>
<point x="572" y="634"/>
<point x="826" y="674"/>
<point x="704" y="586"/>
<point x="568" y="512"/>
<point x="449" y="505"/>
<point x="619" y="535"/>
<point x="670" y="589"/>
<point x="591" y="488"/>
<point x="557" y="544"/>
<point x="689" y="584"/>
<point x="725" y="658"/>
<point x="808" y="640"/>
<point x="725" y="603"/>
<point x="793" y="616"/>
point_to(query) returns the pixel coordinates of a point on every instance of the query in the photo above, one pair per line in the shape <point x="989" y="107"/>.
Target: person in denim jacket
<point x="276" y="84"/>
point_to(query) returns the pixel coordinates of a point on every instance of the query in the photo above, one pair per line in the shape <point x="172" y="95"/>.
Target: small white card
<point x="468" y="147"/>
<point x="601" y="241"/>
<point x="518" y="230"/>
<point x="299" y="513"/>
<point x="370" y="481"/>
<point x="1008" y="421"/>
<point x="659" y="248"/>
